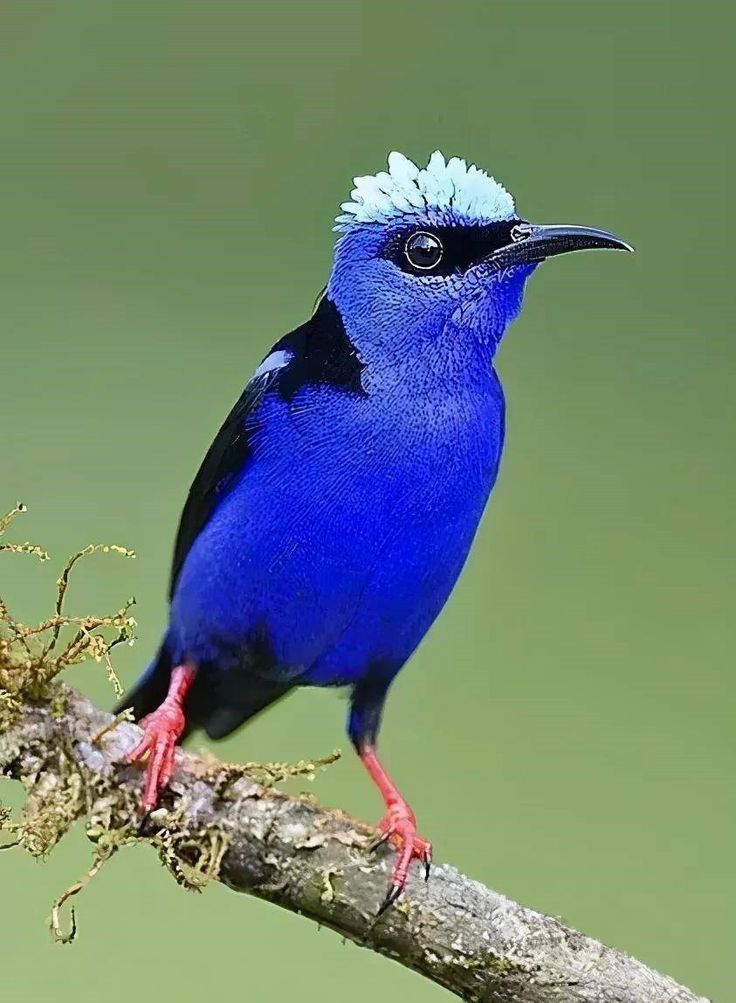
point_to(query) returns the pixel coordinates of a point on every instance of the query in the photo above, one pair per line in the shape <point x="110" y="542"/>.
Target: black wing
<point x="225" y="459"/>
<point x="318" y="352"/>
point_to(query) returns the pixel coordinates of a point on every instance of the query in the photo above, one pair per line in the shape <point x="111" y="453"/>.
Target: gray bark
<point x="310" y="860"/>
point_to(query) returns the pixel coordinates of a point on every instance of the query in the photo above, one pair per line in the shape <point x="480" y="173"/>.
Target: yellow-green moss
<point x="31" y="657"/>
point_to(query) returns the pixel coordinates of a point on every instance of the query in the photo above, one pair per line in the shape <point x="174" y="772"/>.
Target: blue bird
<point x="333" y="513"/>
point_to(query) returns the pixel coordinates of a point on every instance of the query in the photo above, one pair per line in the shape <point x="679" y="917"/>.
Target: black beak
<point x="535" y="243"/>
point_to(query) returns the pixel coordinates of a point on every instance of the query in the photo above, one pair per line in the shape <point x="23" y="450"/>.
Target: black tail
<point x="151" y="689"/>
<point x="218" y="702"/>
<point x="221" y="702"/>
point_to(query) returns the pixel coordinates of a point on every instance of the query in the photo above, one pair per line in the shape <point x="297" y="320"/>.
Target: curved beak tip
<point x="534" y="243"/>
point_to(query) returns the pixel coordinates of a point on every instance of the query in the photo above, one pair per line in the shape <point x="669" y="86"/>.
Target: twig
<point x="68" y="936"/>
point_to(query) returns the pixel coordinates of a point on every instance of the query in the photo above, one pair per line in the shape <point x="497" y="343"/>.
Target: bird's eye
<point x="423" y="250"/>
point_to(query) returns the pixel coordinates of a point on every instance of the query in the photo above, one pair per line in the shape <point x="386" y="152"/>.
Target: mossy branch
<point x="227" y="823"/>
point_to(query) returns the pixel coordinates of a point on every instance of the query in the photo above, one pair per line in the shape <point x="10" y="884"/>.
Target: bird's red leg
<point x="398" y="825"/>
<point x="162" y="729"/>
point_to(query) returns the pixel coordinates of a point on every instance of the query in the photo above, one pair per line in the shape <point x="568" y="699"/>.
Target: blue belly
<point x="344" y="536"/>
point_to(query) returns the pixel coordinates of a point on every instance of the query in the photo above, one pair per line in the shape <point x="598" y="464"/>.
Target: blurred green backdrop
<point x="169" y="175"/>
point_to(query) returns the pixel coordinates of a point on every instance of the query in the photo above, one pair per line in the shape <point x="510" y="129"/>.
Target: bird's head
<point x="438" y="251"/>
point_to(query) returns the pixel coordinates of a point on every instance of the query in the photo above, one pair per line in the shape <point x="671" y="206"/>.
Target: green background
<point x="168" y="176"/>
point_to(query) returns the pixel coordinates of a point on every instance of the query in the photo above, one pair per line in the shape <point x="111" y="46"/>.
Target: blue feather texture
<point x="335" y="509"/>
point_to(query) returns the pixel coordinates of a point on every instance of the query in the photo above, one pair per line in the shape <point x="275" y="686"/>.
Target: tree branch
<point x="469" y="939"/>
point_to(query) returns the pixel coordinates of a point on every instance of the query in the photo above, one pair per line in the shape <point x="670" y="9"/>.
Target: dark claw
<point x="383" y="838"/>
<point x="392" y="896"/>
<point x="427" y="865"/>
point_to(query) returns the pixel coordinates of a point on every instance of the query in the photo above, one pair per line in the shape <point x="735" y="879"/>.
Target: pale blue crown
<point x="444" y="192"/>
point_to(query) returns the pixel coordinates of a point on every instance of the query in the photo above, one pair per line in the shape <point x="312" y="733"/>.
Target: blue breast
<point x="341" y="538"/>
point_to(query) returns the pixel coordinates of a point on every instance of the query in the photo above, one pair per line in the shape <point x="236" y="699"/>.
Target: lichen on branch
<point x="33" y="655"/>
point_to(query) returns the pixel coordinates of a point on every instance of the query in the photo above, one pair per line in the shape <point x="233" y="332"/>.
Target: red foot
<point x="399" y="827"/>
<point x="162" y="730"/>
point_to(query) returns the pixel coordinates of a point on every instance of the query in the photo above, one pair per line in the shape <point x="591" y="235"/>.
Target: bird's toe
<point x="399" y="828"/>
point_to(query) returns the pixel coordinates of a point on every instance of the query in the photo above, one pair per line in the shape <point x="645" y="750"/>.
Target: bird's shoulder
<point x="318" y="352"/>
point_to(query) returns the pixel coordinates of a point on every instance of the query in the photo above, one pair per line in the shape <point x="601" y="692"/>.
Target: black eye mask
<point x="446" y="250"/>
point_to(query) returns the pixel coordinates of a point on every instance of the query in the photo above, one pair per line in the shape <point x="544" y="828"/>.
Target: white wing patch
<point x="442" y="192"/>
<point x="276" y="360"/>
